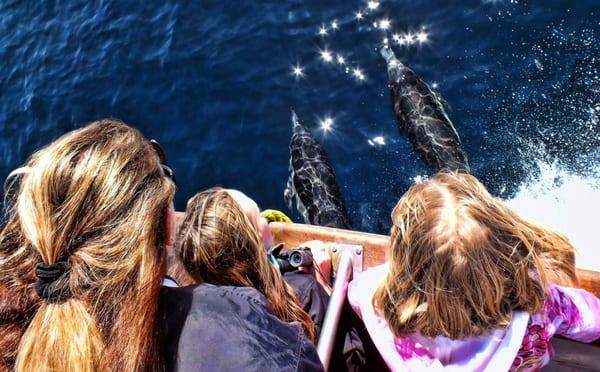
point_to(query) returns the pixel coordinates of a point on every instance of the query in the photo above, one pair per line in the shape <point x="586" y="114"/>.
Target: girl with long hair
<point x="82" y="254"/>
<point x="82" y="257"/>
<point x="239" y="315"/>
<point x="470" y="284"/>
<point x="219" y="243"/>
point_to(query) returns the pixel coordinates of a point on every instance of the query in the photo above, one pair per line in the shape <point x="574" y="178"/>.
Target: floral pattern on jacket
<point x="523" y="346"/>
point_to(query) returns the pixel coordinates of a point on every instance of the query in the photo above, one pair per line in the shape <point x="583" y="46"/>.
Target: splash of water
<point x="566" y="201"/>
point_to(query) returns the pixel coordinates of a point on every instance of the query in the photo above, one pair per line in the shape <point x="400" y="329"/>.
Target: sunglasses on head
<point x="163" y="160"/>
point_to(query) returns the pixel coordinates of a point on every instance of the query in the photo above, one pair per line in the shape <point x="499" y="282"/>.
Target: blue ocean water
<point x="213" y="82"/>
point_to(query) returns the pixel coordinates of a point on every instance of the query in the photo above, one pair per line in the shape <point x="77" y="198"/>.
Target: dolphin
<point x="312" y="182"/>
<point x="421" y="117"/>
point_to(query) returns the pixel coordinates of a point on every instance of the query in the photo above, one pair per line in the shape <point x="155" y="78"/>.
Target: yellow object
<point x="272" y="215"/>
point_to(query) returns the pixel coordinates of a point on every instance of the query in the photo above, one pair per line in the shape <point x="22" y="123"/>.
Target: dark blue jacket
<point x="222" y="328"/>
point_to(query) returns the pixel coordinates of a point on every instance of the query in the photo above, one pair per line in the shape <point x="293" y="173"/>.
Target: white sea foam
<point x="568" y="202"/>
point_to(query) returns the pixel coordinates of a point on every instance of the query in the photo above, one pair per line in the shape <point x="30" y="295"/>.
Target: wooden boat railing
<point x="569" y="354"/>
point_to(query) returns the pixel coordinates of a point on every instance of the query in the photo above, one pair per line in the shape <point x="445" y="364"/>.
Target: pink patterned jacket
<point x="524" y="345"/>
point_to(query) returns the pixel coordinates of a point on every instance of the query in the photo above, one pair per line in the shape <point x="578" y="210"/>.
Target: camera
<point x="291" y="259"/>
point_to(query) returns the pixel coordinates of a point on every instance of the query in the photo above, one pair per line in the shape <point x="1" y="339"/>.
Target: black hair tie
<point x="52" y="280"/>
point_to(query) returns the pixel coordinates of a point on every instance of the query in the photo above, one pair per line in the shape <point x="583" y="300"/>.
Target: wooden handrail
<point x="376" y="246"/>
<point x="293" y="234"/>
<point x="589" y="280"/>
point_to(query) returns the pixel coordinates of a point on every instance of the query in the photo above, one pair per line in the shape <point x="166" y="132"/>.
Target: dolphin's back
<point x="422" y="119"/>
<point x="313" y="183"/>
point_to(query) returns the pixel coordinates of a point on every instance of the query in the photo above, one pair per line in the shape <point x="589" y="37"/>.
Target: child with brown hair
<point x="218" y="243"/>
<point x="243" y="315"/>
<point x="470" y="285"/>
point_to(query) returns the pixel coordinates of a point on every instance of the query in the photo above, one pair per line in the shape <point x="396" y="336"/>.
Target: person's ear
<point x="170" y="227"/>
<point x="265" y="232"/>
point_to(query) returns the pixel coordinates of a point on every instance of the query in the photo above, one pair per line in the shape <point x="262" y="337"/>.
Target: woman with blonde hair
<point x="82" y="254"/>
<point x="221" y="248"/>
<point x="471" y="285"/>
<point x="82" y="258"/>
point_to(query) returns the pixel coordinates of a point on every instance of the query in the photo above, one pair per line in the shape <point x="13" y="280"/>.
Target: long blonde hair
<point x="95" y="198"/>
<point x="218" y="244"/>
<point x="462" y="261"/>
